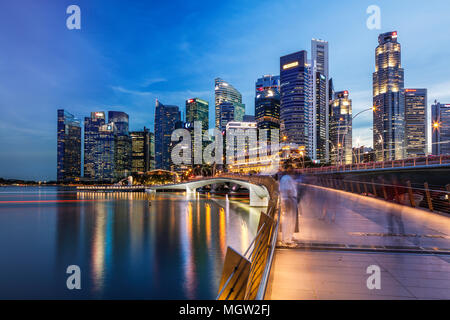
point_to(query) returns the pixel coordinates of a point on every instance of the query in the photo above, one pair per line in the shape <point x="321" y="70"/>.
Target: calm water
<point x="127" y="247"/>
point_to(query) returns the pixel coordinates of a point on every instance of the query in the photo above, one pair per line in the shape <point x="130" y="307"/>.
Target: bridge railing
<point x="410" y="162"/>
<point x="433" y="198"/>
<point x="245" y="277"/>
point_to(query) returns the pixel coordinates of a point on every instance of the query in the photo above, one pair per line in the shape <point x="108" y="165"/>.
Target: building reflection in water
<point x="135" y="245"/>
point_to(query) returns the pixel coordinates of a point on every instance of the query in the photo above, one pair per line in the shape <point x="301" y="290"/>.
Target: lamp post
<point x="374" y="109"/>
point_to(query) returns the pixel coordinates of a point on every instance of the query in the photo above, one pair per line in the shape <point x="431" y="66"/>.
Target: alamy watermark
<point x="240" y="144"/>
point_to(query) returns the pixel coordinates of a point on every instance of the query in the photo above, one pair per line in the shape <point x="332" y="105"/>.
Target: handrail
<point x="403" y="194"/>
<point x="255" y="264"/>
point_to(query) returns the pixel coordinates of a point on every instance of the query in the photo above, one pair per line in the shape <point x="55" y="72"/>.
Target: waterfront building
<point x="92" y="126"/>
<point x="68" y="147"/>
<point x="416" y="142"/>
<point x="167" y="119"/>
<point x="440" y="124"/>
<point x="140" y="151"/>
<point x="320" y="100"/>
<point x="225" y="92"/>
<point x="295" y="99"/>
<point x="389" y="114"/>
<point x="197" y="110"/>
<point x="341" y="129"/>
<point x="122" y="143"/>
<point x="267" y="102"/>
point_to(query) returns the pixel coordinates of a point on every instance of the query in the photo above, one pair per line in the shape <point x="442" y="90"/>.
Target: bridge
<point x="258" y="194"/>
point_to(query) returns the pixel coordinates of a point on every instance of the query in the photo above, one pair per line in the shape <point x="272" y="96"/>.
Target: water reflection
<point x="135" y="245"/>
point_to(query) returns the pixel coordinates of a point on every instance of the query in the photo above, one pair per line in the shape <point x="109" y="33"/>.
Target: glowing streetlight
<point x="436" y="125"/>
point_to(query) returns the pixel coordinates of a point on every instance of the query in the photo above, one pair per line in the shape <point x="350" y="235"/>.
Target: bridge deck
<point x="331" y="252"/>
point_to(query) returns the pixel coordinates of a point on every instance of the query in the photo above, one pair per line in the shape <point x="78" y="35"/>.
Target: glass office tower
<point x="140" y="151"/>
<point x="440" y="124"/>
<point x="388" y="82"/>
<point x="122" y="144"/>
<point x="68" y="147"/>
<point x="320" y="102"/>
<point x="416" y="142"/>
<point x="167" y="119"/>
<point x="225" y="92"/>
<point x="267" y="102"/>
<point x="92" y="126"/>
<point x="341" y="129"/>
<point x="295" y="99"/>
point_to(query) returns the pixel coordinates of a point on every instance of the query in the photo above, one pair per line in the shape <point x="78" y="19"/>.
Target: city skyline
<point x="32" y="133"/>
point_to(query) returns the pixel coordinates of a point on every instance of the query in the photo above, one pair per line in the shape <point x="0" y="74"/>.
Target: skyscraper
<point x="140" y="151"/>
<point x="267" y="102"/>
<point x="92" y="126"/>
<point x="105" y="150"/>
<point x="122" y="143"/>
<point x="167" y="118"/>
<point x="388" y="82"/>
<point x="416" y="142"/>
<point x="295" y="100"/>
<point x="440" y="124"/>
<point x="197" y="110"/>
<point x="227" y="114"/>
<point x="341" y="129"/>
<point x="225" y="92"/>
<point x="69" y="147"/>
<point x="320" y="102"/>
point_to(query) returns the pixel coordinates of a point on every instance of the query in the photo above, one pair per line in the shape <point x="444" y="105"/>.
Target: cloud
<point x="132" y="92"/>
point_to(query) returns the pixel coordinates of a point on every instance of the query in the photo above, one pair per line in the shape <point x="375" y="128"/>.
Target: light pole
<point x="374" y="109"/>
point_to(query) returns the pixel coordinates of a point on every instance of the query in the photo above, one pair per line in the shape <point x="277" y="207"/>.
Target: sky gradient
<point x="129" y="53"/>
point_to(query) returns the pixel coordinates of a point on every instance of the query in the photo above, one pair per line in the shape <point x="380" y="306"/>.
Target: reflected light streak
<point x="208" y="224"/>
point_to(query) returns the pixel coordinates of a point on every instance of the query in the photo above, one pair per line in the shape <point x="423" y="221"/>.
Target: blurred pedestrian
<point x="288" y="195"/>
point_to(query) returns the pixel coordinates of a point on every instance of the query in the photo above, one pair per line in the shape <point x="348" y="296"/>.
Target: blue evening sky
<point x="128" y="53"/>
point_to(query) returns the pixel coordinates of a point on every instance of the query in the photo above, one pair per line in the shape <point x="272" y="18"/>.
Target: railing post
<point x="374" y="189"/>
<point x="358" y="188"/>
<point x="427" y="193"/>
<point x="351" y="186"/>
<point x="447" y="187"/>
<point x="411" y="195"/>
<point x="365" y="188"/>
<point x="384" y="191"/>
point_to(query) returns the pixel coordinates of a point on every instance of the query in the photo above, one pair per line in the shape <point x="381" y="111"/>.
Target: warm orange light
<point x="436" y="125"/>
<point x="374" y="108"/>
<point x="284" y="138"/>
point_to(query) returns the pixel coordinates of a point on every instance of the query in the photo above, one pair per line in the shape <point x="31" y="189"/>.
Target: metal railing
<point x="433" y="198"/>
<point x="245" y="277"/>
<point x="411" y="162"/>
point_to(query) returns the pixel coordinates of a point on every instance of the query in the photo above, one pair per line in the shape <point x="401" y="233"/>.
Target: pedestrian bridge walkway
<point x="341" y="234"/>
<point x="259" y="195"/>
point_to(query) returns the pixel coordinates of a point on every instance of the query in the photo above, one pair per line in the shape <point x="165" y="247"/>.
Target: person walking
<point x="288" y="195"/>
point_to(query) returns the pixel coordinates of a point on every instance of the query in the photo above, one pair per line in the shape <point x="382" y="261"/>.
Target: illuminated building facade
<point x="92" y="126"/>
<point x="105" y="149"/>
<point x="167" y="119"/>
<point x="227" y="112"/>
<point x="415" y="122"/>
<point x="197" y="110"/>
<point x="388" y="82"/>
<point x="440" y="124"/>
<point x="341" y="129"/>
<point x="225" y="92"/>
<point x="320" y="102"/>
<point x="140" y="150"/>
<point x="267" y="102"/>
<point x="69" y="147"/>
<point x="122" y="143"/>
<point x="295" y="99"/>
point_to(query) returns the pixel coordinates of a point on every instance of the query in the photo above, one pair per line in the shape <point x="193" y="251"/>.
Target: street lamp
<point x="374" y="109"/>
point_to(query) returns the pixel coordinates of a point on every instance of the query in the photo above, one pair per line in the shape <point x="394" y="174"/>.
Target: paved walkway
<point x="328" y="265"/>
<point x="303" y="275"/>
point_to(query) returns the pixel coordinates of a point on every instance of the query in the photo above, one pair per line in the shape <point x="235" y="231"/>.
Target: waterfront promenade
<point x="330" y="256"/>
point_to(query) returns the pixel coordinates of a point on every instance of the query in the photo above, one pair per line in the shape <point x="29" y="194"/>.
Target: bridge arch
<point x="259" y="195"/>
